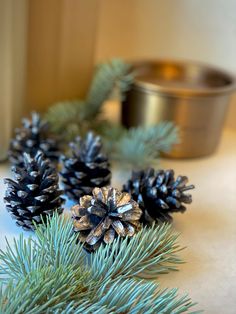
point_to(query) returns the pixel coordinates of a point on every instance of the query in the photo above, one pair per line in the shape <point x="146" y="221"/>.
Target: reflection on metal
<point x="193" y="95"/>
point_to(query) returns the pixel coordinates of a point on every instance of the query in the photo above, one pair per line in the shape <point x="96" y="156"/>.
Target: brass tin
<point x="192" y="95"/>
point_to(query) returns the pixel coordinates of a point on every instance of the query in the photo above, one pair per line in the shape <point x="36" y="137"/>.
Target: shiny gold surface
<point x="193" y="96"/>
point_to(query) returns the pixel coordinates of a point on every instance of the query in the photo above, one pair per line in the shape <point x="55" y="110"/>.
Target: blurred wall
<point x="61" y="45"/>
<point x="203" y="30"/>
<point x="13" y="38"/>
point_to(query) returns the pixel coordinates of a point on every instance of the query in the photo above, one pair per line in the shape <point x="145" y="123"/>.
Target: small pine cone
<point x="86" y="169"/>
<point x="158" y="194"/>
<point x="35" y="192"/>
<point x="33" y="136"/>
<point x="105" y="215"/>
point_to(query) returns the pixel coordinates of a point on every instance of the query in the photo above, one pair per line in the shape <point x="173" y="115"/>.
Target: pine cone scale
<point x="119" y="228"/>
<point x="109" y="236"/>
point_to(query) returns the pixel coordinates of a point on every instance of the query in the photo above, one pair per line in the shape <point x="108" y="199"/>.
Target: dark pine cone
<point x="33" y="136"/>
<point x="105" y="215"/>
<point x="158" y="194"/>
<point x="86" y="169"/>
<point x="34" y="192"/>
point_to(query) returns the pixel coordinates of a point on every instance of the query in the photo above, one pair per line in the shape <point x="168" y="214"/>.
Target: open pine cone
<point x="87" y="168"/>
<point x="35" y="192"/>
<point x="105" y="215"/>
<point x="33" y="136"/>
<point x="158" y="194"/>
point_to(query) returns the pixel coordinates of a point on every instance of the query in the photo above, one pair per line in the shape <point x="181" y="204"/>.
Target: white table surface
<point x="208" y="228"/>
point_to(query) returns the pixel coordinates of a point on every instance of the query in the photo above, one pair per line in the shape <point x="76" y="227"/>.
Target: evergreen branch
<point x="131" y="296"/>
<point x="111" y="134"/>
<point x="55" y="245"/>
<point x="72" y="118"/>
<point x="56" y="239"/>
<point x="142" y="146"/>
<point x="44" y="289"/>
<point x="108" y="76"/>
<point x="91" y="308"/>
<point x="63" y="282"/>
<point x="21" y="259"/>
<point x="65" y="118"/>
<point x="149" y="253"/>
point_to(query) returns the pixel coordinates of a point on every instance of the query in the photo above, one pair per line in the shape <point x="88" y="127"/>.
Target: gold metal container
<point x="192" y="95"/>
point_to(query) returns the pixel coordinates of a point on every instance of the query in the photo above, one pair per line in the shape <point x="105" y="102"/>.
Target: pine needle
<point x="141" y="147"/>
<point x="51" y="273"/>
<point x="131" y="296"/>
<point x="72" y="118"/>
<point x="44" y="289"/>
<point x="108" y="76"/>
<point x="55" y="238"/>
<point x="149" y="253"/>
<point x="66" y="114"/>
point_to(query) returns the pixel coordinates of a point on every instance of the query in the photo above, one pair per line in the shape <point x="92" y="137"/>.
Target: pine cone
<point x="34" y="192"/>
<point x="33" y="136"/>
<point x="158" y="194"/>
<point x="86" y="169"/>
<point x="104" y="215"/>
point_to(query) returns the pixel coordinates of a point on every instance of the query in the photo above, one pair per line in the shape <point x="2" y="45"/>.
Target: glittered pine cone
<point x="88" y="167"/>
<point x="31" y="137"/>
<point x="102" y="217"/>
<point x="34" y="194"/>
<point x="158" y="193"/>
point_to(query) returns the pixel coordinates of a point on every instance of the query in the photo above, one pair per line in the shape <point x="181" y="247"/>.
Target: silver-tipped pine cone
<point x="108" y="213"/>
<point x="88" y="167"/>
<point x="159" y="194"/>
<point x="34" y="194"/>
<point x="31" y="137"/>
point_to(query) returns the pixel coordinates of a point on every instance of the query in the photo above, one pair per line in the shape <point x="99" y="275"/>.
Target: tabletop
<point x="208" y="228"/>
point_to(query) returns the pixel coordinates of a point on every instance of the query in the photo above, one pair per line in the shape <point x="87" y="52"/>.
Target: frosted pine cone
<point x="106" y="214"/>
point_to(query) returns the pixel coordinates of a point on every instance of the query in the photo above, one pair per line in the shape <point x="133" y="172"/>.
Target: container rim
<point x="230" y="87"/>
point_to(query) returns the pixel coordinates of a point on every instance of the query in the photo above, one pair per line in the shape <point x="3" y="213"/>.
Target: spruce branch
<point x="72" y="118"/>
<point x="43" y="290"/>
<point x="132" y="296"/>
<point x="108" y="76"/>
<point x="54" y="246"/>
<point x="150" y="252"/>
<point x="19" y="259"/>
<point x="58" y="243"/>
<point x="55" y="277"/>
<point x="141" y="146"/>
<point x="65" y="118"/>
